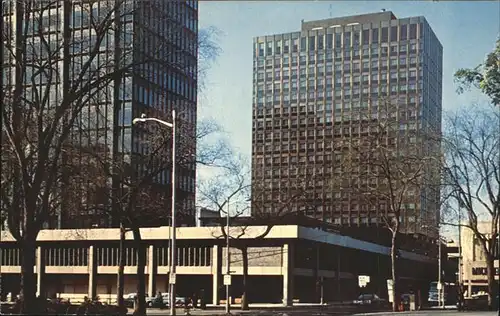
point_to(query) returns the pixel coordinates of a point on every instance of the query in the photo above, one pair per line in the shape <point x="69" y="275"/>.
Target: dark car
<point x="370" y="299"/>
<point x="476" y="302"/>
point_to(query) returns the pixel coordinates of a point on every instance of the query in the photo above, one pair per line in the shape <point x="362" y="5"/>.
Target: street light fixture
<point x="173" y="257"/>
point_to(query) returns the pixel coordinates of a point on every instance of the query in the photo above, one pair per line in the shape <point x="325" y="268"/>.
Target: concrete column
<point x="152" y="271"/>
<point x="92" y="268"/>
<point x="287" y="272"/>
<point x="40" y="272"/>
<point x="216" y="270"/>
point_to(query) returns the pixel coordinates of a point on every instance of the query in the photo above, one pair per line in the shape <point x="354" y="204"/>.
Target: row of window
<point x="337" y="40"/>
<point x="280" y="146"/>
<point x="346" y="66"/>
<point x="339" y="93"/>
<point x="330" y="55"/>
<point x="318" y="71"/>
<point x="328" y="106"/>
<point x="334" y="82"/>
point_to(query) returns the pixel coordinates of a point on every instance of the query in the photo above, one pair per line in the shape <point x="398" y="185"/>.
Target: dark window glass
<point x="303" y="44"/>
<point x="329" y="40"/>
<point x="321" y="42"/>
<point x="402" y="32"/>
<point x="312" y="43"/>
<point x="347" y="39"/>
<point x="338" y="40"/>
<point x="366" y="37"/>
<point x="394" y="33"/>
<point x="375" y="36"/>
<point x="385" y="35"/>
<point x="413" y="31"/>
<point x="356" y="38"/>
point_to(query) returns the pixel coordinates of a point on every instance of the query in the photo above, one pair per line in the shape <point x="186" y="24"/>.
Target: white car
<point x="178" y="300"/>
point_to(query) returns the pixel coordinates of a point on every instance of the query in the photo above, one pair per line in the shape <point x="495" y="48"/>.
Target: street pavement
<point x="284" y="311"/>
<point x="436" y="312"/>
<point x="316" y="311"/>
<point x="296" y="310"/>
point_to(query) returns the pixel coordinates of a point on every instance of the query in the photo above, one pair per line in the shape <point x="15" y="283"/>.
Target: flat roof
<point x="214" y="232"/>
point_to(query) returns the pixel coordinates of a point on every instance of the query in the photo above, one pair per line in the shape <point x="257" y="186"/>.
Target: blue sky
<point x="467" y="30"/>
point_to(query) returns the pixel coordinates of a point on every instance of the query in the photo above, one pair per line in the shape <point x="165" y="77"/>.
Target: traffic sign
<point x="363" y="280"/>
<point x="227" y="279"/>
<point x="172" y="278"/>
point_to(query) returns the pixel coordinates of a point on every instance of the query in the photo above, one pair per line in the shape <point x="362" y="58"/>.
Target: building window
<point x="413" y="31"/>
<point x="312" y="43"/>
<point x="403" y="32"/>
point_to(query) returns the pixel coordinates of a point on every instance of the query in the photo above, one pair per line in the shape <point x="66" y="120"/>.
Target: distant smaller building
<point x="205" y="216"/>
<point x="473" y="269"/>
<point x="451" y="267"/>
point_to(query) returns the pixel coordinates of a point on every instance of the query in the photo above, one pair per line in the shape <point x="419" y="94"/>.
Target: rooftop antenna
<point x="331" y="10"/>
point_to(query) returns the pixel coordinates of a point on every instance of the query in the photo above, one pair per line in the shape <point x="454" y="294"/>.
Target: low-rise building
<point x="289" y="263"/>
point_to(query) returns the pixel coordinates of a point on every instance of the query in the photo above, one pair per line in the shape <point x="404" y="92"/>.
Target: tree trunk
<point x="121" y="267"/>
<point x="140" y="306"/>
<point x="244" y="297"/>
<point x="395" y="300"/>
<point x="492" y="286"/>
<point x="28" y="277"/>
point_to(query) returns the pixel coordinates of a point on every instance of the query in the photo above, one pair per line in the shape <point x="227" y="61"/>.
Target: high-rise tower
<point x="310" y="89"/>
<point x="156" y="40"/>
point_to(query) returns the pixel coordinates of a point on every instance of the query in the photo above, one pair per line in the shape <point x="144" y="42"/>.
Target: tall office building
<point x="311" y="89"/>
<point x="158" y="40"/>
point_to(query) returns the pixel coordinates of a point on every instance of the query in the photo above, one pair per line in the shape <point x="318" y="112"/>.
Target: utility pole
<point x="173" y="256"/>
<point x="228" y="262"/>
<point x="440" y="282"/>
<point x="460" y="245"/>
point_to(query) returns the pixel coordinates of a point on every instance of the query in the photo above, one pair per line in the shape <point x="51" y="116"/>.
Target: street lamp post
<point x="440" y="284"/>
<point x="173" y="253"/>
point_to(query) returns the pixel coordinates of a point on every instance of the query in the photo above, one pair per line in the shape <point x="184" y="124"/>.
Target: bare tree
<point x="473" y="160"/>
<point x="54" y="95"/>
<point x="472" y="174"/>
<point x="386" y="169"/>
<point x="46" y="91"/>
<point x="230" y="191"/>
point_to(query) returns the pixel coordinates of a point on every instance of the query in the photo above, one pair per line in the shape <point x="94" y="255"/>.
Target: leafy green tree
<point x="485" y="76"/>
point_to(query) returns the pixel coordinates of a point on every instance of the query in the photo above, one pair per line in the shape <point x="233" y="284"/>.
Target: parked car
<point x="179" y="301"/>
<point x="370" y="299"/>
<point x="130" y="299"/>
<point x="478" y="302"/>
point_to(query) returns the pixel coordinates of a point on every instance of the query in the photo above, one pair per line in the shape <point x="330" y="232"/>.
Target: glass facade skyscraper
<point x="311" y="88"/>
<point x="158" y="40"/>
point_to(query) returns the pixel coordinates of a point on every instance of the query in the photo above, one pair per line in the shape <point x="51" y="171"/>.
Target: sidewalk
<point x="256" y="309"/>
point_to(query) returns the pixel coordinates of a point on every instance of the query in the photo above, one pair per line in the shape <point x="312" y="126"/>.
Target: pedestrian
<point x="195" y="300"/>
<point x="203" y="304"/>
<point x="460" y="298"/>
